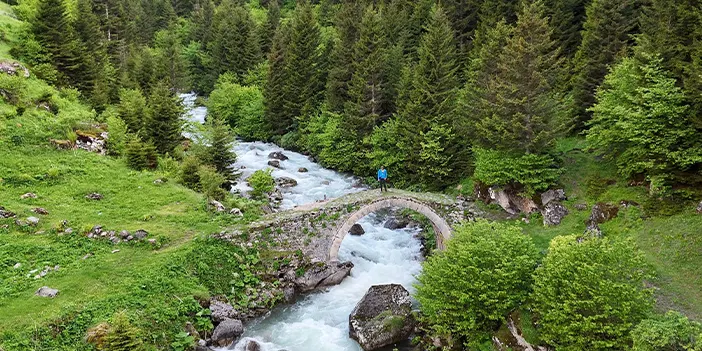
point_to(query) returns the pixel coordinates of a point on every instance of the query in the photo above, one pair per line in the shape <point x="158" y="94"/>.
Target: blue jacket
<point x="382" y="174"/>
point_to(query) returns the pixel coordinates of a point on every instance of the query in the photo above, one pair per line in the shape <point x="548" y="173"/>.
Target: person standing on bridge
<point x="383" y="178"/>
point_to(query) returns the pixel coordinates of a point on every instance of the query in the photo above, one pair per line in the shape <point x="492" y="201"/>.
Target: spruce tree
<point x="416" y="26"/>
<point x="303" y="85"/>
<point x="273" y="91"/>
<point x="427" y="109"/>
<point x="525" y="91"/>
<point x="567" y="17"/>
<point x="203" y="22"/>
<point x="341" y="68"/>
<point x="98" y="67"/>
<point x="220" y="152"/>
<point x="132" y="109"/>
<point x="269" y="28"/>
<point x="164" y="124"/>
<point x="368" y="84"/>
<point x="606" y="37"/>
<point x="464" y="16"/>
<point x="54" y="31"/>
<point x="235" y="47"/>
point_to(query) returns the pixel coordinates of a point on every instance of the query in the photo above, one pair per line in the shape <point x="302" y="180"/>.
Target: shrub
<point x="189" y="173"/>
<point x="589" y="293"/>
<point x="117" y="137"/>
<point x="262" y="182"/>
<point x="466" y="291"/>
<point x="530" y="172"/>
<point x="211" y="183"/>
<point x="141" y="155"/>
<point x="670" y="332"/>
<point x="122" y="335"/>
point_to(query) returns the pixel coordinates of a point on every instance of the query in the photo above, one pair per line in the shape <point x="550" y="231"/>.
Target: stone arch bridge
<point x="318" y="229"/>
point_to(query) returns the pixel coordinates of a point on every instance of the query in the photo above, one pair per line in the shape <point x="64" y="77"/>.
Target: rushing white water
<point x="319" y="322"/>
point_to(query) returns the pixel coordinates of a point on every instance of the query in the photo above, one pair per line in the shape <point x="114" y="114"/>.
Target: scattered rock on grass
<point x="217" y="206"/>
<point x="141" y="234"/>
<point x="552" y="195"/>
<point x="699" y="207"/>
<point x="580" y="207"/>
<point x="28" y="196"/>
<point x="94" y="196"/>
<point x="6" y="214"/>
<point x="46" y="291"/>
<point x="115" y="251"/>
<point x="553" y="213"/>
<point x="17" y="266"/>
<point x="32" y="221"/>
<point x="40" y="210"/>
<point x="236" y="212"/>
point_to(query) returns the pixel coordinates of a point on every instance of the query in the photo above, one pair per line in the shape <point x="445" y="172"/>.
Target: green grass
<point x="8" y="30"/>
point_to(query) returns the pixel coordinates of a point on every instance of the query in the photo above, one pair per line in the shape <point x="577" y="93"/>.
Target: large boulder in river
<point x="357" y="229"/>
<point x="226" y="332"/>
<point x="278" y="155"/>
<point x="553" y="213"/>
<point x="285" y="182"/>
<point x="323" y="275"/>
<point x="274" y="163"/>
<point x="396" y="223"/>
<point x="383" y="317"/>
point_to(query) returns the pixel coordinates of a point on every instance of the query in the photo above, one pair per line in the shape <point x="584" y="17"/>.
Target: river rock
<point x="226" y="332"/>
<point x="266" y="209"/>
<point x="221" y="311"/>
<point x="252" y="345"/>
<point x="383" y="317"/>
<point x="275" y="195"/>
<point x="357" y="229"/>
<point x="396" y="223"/>
<point x="302" y="170"/>
<point x="46" y="291"/>
<point x="6" y="214"/>
<point x="217" y="206"/>
<point x="274" y="163"/>
<point x="552" y="195"/>
<point x="285" y="182"/>
<point x="278" y="155"/>
<point x="190" y="329"/>
<point x="323" y="275"/>
<point x="202" y="348"/>
<point x="553" y="213"/>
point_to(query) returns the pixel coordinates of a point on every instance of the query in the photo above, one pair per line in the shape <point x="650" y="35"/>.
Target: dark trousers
<point x="383" y="184"/>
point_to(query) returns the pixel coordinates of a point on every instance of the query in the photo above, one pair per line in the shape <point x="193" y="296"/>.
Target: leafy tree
<point x="427" y="109"/>
<point x="466" y="291"/>
<point x="529" y="172"/>
<point x="605" y="37"/>
<point x="235" y="46"/>
<point x="132" y="109"/>
<point x="164" y="124"/>
<point x="589" y="293"/>
<point x="262" y="183"/>
<point x="642" y="122"/>
<point x="241" y="106"/>
<point x="670" y="332"/>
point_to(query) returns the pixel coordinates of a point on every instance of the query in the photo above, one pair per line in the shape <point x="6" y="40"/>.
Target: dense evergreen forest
<point x="434" y="91"/>
<point x="602" y="98"/>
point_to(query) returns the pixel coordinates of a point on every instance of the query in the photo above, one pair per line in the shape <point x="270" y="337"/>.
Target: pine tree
<point x="528" y="105"/>
<point x="235" y="47"/>
<point x="368" y="83"/>
<point x="220" y="149"/>
<point x="341" y="68"/>
<point x="303" y="85"/>
<point x="164" y="124"/>
<point x="275" y="84"/>
<point x="203" y="22"/>
<point x="269" y="28"/>
<point x="606" y="36"/>
<point x="53" y="30"/>
<point x="427" y="109"/>
<point x="567" y="18"/>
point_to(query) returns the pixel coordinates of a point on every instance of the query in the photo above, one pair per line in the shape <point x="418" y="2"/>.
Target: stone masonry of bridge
<point x="317" y="230"/>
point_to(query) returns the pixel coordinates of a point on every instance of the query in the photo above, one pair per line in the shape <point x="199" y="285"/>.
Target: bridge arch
<point x="441" y="227"/>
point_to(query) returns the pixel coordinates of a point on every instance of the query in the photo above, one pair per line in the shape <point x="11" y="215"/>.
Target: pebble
<point x="115" y="251"/>
<point x="17" y="265"/>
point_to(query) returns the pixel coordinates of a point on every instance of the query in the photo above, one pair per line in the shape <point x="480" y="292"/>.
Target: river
<point x="319" y="322"/>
